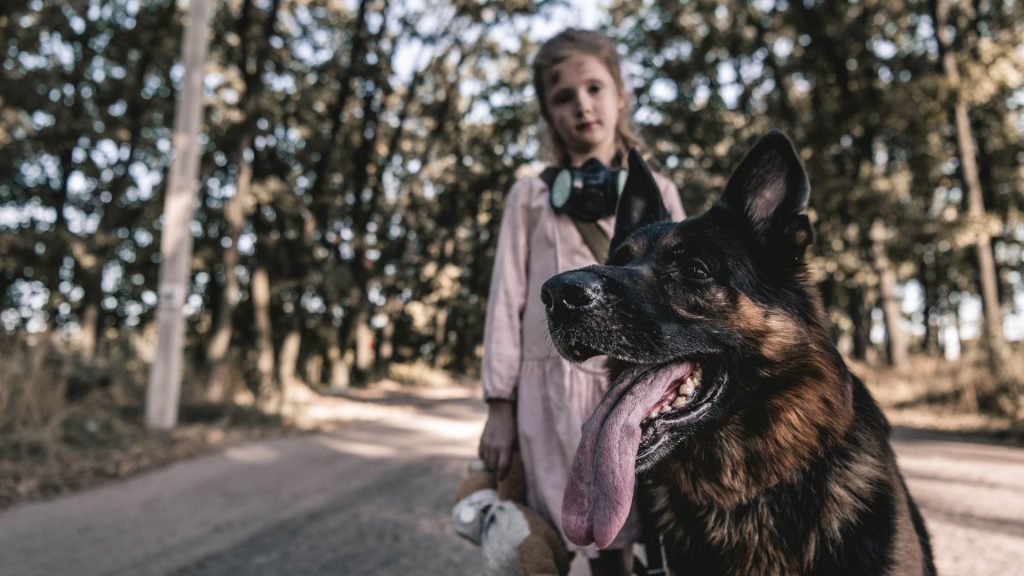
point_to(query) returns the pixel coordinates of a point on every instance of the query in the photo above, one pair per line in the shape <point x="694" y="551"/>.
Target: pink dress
<point x="553" y="396"/>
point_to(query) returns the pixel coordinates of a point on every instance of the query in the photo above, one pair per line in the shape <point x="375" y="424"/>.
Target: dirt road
<point x="373" y="498"/>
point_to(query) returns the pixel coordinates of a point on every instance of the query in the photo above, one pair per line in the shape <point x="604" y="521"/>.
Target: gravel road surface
<point x="373" y="498"/>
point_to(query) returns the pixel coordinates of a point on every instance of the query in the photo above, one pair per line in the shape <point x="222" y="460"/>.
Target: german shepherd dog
<point x="760" y="452"/>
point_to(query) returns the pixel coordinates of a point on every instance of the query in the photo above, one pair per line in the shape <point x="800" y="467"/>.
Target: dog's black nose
<point x="573" y="291"/>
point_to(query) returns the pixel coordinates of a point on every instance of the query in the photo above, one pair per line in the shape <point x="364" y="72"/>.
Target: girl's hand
<point x="499" y="436"/>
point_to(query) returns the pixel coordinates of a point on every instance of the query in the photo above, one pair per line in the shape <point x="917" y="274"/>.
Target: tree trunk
<point x="465" y="346"/>
<point x="93" y="258"/>
<point x="858" y="324"/>
<point x="57" y="246"/>
<point x="440" y="335"/>
<point x="336" y="360"/>
<point x="352" y="331"/>
<point x="364" y="347"/>
<point x="932" y="313"/>
<point x="235" y="210"/>
<point x="995" y="342"/>
<point x="896" y="344"/>
<point x="220" y="339"/>
<point x="268" y="393"/>
<point x="951" y="337"/>
<point x="314" y="369"/>
<point x="288" y="361"/>
<point x="385" y="348"/>
<point x="89" y="318"/>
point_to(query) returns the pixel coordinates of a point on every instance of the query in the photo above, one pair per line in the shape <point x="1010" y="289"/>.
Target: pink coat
<point x="553" y="396"/>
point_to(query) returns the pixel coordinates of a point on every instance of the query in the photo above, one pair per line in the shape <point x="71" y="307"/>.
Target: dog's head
<point x="695" y="317"/>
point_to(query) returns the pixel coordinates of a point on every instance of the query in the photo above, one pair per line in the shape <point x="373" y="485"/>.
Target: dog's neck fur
<point x="724" y="501"/>
<point x="739" y="503"/>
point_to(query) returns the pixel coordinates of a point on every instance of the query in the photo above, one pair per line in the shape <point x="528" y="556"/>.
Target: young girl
<point x="535" y="397"/>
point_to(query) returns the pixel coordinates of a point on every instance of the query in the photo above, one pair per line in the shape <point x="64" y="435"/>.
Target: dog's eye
<point x="695" y="270"/>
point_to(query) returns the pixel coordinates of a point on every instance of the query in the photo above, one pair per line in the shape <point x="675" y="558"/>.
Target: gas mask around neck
<point x="587" y="193"/>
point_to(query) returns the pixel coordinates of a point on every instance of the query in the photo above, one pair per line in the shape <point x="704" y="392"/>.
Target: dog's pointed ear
<point x="640" y="203"/>
<point x="770" y="191"/>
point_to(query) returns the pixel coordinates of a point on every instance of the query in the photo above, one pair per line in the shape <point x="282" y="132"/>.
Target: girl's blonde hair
<point x="592" y="43"/>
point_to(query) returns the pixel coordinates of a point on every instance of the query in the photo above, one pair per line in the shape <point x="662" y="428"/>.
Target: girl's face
<point x="584" y="103"/>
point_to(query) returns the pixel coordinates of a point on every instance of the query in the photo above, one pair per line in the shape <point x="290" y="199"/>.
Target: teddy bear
<point x="515" y="540"/>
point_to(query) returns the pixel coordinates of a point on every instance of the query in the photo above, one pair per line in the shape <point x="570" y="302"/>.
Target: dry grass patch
<point x="960" y="396"/>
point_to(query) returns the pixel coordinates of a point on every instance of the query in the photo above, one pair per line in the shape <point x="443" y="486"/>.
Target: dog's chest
<point x="803" y="526"/>
<point x="744" y="540"/>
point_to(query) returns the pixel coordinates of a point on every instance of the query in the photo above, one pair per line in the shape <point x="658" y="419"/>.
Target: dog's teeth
<point x="664" y="409"/>
<point x="679" y="401"/>
<point x="688" y="387"/>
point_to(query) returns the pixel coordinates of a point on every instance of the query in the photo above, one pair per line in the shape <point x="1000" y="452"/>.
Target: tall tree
<point x="978" y="221"/>
<point x="253" y="50"/>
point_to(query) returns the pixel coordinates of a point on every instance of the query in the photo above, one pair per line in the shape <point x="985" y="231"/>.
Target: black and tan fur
<point x="790" y="471"/>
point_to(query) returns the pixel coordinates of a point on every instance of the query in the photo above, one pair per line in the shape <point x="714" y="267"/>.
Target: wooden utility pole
<point x="176" y="239"/>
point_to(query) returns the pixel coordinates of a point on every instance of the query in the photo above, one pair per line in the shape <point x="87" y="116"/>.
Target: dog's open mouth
<point x="678" y="396"/>
<point x="627" y="433"/>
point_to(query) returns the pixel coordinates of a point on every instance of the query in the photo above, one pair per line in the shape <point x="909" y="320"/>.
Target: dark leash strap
<point x="596" y="239"/>
<point x="593" y="235"/>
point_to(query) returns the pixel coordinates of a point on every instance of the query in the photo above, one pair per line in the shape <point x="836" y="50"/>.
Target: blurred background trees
<point x="357" y="154"/>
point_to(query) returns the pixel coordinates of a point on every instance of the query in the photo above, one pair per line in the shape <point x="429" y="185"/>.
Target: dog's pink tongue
<point x="600" y="489"/>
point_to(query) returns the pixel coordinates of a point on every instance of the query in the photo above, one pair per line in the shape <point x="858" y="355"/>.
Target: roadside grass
<point x="959" y="396"/>
<point x="69" y="423"/>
